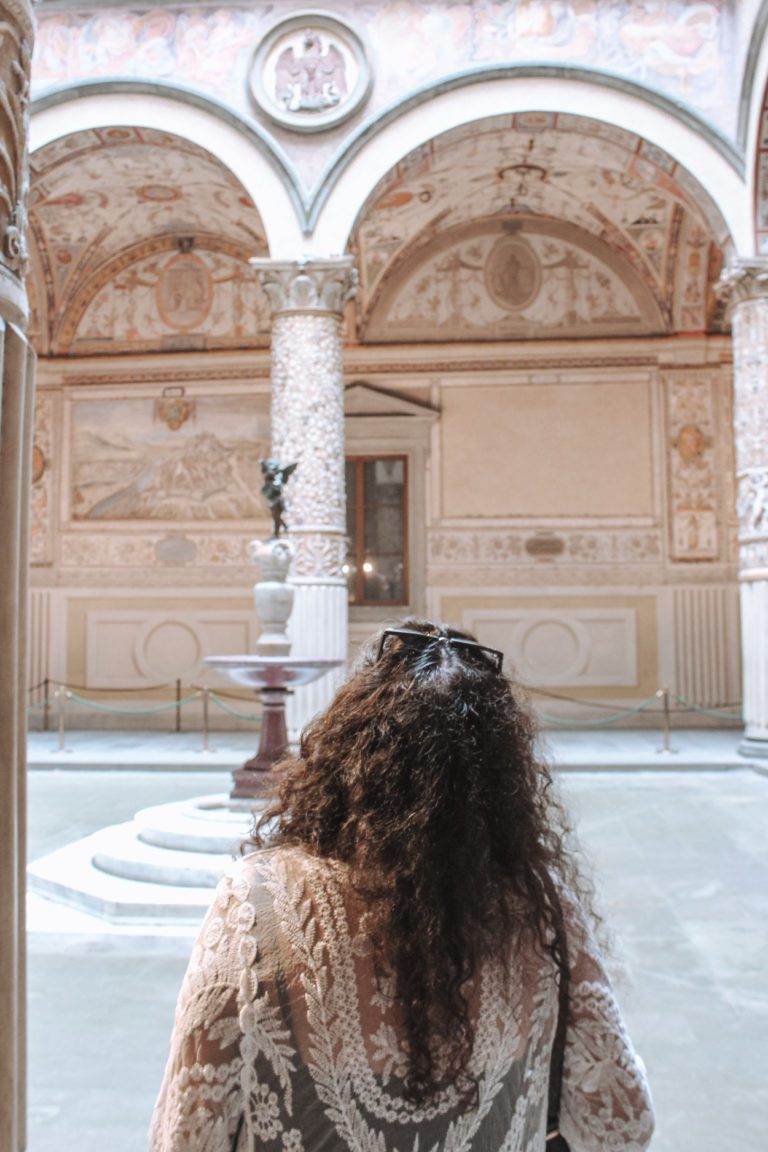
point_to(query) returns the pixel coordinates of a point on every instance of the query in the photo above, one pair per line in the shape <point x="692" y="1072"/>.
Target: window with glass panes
<point x="377" y="562"/>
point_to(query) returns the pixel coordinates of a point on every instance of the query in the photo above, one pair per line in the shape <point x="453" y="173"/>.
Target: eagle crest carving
<point x="312" y="80"/>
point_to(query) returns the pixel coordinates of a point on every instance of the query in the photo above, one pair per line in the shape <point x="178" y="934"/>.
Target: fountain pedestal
<point x="273" y="677"/>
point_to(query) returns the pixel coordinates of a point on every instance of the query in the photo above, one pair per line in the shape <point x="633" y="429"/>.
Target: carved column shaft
<point x="307" y="301"/>
<point x="747" y="283"/>
<point x="16" y="362"/>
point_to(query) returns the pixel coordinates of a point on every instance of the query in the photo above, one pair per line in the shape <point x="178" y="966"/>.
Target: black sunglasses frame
<point x="422" y="639"/>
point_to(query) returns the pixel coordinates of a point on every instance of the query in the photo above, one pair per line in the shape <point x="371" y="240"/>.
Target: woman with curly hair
<point x="404" y="960"/>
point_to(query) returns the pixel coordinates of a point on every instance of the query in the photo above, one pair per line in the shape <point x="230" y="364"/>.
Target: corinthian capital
<point x="307" y="285"/>
<point x="744" y="279"/>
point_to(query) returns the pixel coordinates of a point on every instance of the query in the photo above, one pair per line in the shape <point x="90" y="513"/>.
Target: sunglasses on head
<point x="420" y="640"/>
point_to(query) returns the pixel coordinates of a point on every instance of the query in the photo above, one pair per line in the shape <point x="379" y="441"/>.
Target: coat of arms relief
<point x="310" y="73"/>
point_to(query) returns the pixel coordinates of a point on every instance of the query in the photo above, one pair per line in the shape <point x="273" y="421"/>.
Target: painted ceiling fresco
<point x="622" y="195"/>
<point x="121" y="213"/>
<point x="527" y="280"/>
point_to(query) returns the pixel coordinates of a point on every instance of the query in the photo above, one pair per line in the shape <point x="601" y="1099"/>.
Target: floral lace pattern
<point x="284" y="1042"/>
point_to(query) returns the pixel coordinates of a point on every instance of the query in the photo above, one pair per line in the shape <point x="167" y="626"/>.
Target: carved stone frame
<point x="302" y="121"/>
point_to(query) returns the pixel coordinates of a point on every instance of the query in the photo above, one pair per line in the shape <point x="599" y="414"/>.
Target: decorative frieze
<point x="154" y="549"/>
<point x="525" y="548"/>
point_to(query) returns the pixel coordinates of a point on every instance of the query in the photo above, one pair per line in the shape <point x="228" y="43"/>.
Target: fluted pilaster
<point x="307" y="300"/>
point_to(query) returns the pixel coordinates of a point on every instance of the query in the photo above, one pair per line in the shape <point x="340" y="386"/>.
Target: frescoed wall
<point x="536" y="330"/>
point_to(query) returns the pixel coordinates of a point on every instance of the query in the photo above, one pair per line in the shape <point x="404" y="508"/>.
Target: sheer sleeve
<point x="200" y="1105"/>
<point x="606" y="1103"/>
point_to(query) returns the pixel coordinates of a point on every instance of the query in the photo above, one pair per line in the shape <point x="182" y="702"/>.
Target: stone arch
<point x="243" y="149"/>
<point x="710" y="160"/>
<point x="618" y="191"/>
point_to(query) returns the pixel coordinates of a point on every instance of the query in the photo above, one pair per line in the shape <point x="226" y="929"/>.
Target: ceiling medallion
<point x="310" y="72"/>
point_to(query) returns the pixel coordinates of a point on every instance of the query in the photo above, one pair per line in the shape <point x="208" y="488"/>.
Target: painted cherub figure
<point x="275" y="478"/>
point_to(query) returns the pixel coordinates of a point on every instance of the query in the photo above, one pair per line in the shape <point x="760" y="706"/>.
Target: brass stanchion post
<point x="666" y="746"/>
<point x="178" y="705"/>
<point x="62" y="696"/>
<point x="206" y="747"/>
<point x="46" y="705"/>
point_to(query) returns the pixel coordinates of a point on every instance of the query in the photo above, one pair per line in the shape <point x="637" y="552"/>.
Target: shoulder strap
<point x="557" y="1059"/>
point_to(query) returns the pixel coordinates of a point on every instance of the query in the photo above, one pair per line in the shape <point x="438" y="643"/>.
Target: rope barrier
<point x="570" y="699"/>
<point x="65" y="693"/>
<point x="716" y="710"/>
<point x="622" y="714"/>
<point x="223" y="692"/>
<point x="97" y="706"/>
<point x="232" y="711"/>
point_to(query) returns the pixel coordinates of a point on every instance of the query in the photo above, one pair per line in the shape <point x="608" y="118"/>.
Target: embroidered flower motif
<point x="265" y="1112"/>
<point x="292" y="1141"/>
<point x="388" y="1052"/>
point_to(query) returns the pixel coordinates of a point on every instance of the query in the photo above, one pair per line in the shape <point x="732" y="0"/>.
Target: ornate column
<point x="307" y="300"/>
<point x="746" y="282"/>
<point x="16" y="375"/>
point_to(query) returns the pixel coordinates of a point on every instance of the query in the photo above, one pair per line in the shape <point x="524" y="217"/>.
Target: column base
<point x="753" y="748"/>
<point x="318" y="627"/>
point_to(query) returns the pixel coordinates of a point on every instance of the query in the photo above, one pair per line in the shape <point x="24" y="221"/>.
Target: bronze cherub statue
<point x="275" y="478"/>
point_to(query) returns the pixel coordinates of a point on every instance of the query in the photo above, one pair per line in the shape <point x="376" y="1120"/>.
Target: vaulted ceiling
<point x="611" y="236"/>
<point x="139" y="239"/>
<point x="534" y="225"/>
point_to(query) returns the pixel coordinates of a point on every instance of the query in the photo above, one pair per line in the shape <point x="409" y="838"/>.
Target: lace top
<point x="284" y="1042"/>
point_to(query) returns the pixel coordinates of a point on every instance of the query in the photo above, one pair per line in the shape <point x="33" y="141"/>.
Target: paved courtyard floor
<point x="682" y="862"/>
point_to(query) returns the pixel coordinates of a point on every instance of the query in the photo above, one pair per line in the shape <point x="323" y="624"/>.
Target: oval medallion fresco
<point x="184" y="292"/>
<point x="512" y="273"/>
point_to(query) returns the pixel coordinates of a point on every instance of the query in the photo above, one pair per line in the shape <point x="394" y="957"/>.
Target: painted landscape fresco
<point x="143" y="459"/>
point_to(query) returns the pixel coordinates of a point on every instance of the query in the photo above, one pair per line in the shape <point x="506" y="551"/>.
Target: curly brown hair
<point x="423" y="776"/>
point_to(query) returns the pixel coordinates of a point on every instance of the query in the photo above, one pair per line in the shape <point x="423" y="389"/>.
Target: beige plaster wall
<point x="630" y="647"/>
<point x="547" y="449"/>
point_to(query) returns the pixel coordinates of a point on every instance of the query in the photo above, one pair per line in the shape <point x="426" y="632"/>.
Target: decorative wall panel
<point x="170" y="458"/>
<point x="547" y="449"/>
<point x="44" y="468"/>
<point x="137" y="648"/>
<point x="694" y="485"/>
<point x="579" y="648"/>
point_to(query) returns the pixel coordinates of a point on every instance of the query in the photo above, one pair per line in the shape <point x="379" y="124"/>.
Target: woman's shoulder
<point x="264" y="871"/>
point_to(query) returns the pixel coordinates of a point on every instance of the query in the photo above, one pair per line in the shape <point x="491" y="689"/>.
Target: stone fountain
<point x="161" y="866"/>
<point x="271" y="670"/>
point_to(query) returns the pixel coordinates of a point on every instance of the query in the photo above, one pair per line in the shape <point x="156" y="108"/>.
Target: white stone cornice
<point x="322" y="285"/>
<point x="745" y="279"/>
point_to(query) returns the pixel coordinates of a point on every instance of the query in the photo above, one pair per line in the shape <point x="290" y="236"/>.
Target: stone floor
<point x="682" y="861"/>
<point x="182" y="751"/>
